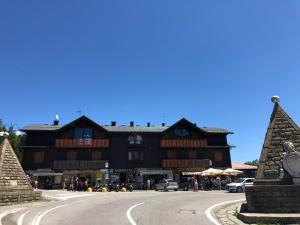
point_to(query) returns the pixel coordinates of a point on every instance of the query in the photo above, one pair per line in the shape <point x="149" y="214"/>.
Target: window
<point x="96" y="155"/>
<point x="39" y="157"/>
<point x="138" y="139"/>
<point x="83" y="133"/>
<point x="71" y="155"/>
<point x="171" y="154"/>
<point x="136" y="155"/>
<point x="181" y="132"/>
<point x="131" y="140"/>
<point x="135" y="139"/>
<point x="192" y="154"/>
<point x="218" y="156"/>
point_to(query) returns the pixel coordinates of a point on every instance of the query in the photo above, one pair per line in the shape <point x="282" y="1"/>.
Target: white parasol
<point x="232" y="172"/>
<point x="212" y="172"/>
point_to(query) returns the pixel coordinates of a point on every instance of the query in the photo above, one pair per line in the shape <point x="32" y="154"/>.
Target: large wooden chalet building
<point x="83" y="148"/>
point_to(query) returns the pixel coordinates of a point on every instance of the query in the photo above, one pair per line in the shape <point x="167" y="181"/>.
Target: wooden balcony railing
<point x="185" y="163"/>
<point x="185" y="143"/>
<point x="78" y="164"/>
<point x="82" y="143"/>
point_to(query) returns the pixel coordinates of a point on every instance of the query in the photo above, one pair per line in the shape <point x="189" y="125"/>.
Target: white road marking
<point x="65" y="197"/>
<point x="9" y="212"/>
<point x="20" y="219"/>
<point x="208" y="211"/>
<point x="129" y="211"/>
<point x="38" y="219"/>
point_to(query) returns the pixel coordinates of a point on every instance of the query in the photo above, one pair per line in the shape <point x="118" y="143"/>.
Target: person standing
<point x="71" y="184"/>
<point x="195" y="185"/>
<point x="64" y="184"/>
<point x="148" y="184"/>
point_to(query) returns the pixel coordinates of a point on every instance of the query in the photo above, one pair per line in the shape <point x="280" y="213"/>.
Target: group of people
<point x="214" y="183"/>
<point x="75" y="184"/>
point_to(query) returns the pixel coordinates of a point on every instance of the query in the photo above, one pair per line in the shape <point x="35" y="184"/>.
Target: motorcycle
<point x="113" y="187"/>
<point x="127" y="186"/>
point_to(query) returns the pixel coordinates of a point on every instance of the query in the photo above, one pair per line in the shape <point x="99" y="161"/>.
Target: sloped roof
<point x="154" y="129"/>
<point x="241" y="166"/>
<point x="41" y="127"/>
<point x="122" y="128"/>
<point x="80" y="119"/>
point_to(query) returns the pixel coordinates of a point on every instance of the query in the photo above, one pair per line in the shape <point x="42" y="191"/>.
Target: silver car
<point x="240" y="184"/>
<point x="166" y="185"/>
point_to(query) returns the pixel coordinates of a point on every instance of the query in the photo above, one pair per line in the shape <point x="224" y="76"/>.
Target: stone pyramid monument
<point x="15" y="186"/>
<point x="281" y="129"/>
<point x="277" y="188"/>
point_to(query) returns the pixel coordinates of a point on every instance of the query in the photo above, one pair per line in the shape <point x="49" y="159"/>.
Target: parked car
<point x="186" y="183"/>
<point x="240" y="184"/>
<point x="166" y="185"/>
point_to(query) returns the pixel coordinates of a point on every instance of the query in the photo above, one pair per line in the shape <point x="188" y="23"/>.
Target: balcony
<point x="78" y="164"/>
<point x="82" y="143"/>
<point x="183" y="143"/>
<point x="186" y="163"/>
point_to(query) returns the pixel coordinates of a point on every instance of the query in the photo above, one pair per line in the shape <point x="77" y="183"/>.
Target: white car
<point x="240" y="184"/>
<point x="166" y="185"/>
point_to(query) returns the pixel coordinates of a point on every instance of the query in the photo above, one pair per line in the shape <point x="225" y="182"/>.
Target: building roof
<point x="216" y="130"/>
<point x="154" y="129"/>
<point x="41" y="127"/>
<point x="240" y="166"/>
<point x="120" y="128"/>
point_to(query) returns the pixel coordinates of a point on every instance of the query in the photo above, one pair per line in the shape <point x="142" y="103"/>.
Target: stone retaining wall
<point x="273" y="198"/>
<point x="18" y="196"/>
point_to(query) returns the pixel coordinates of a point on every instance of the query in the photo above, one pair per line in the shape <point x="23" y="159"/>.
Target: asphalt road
<point x="140" y="208"/>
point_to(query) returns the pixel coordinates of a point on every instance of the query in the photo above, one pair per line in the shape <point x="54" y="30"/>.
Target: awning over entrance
<point x="191" y="173"/>
<point x="146" y="171"/>
<point x="44" y="173"/>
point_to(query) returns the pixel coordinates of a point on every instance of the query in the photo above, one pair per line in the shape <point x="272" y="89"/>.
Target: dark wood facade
<point x="182" y="146"/>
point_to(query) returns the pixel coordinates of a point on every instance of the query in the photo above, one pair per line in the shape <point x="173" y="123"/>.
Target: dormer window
<point x="181" y="132"/>
<point x="135" y="139"/>
<point x="83" y="133"/>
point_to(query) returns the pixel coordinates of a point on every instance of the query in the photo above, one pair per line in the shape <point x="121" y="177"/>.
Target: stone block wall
<point x="273" y="198"/>
<point x="18" y="196"/>
<point x="12" y="175"/>
<point x="14" y="184"/>
<point x="281" y="128"/>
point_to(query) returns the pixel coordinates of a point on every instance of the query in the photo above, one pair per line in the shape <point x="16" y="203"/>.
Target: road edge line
<point x="7" y="212"/>
<point x="210" y="216"/>
<point x="38" y="219"/>
<point x="20" y="219"/>
<point x="129" y="211"/>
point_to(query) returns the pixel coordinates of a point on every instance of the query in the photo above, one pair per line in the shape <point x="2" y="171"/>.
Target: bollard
<point x="123" y="189"/>
<point x="104" y="189"/>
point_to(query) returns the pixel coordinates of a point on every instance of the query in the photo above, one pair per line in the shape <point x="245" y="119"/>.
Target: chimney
<point x="113" y="123"/>
<point x="163" y="124"/>
<point x="131" y="123"/>
<point x="148" y="124"/>
<point x="56" y="120"/>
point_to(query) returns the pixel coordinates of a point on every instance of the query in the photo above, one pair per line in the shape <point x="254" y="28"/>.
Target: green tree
<point x="14" y="139"/>
<point x="252" y="163"/>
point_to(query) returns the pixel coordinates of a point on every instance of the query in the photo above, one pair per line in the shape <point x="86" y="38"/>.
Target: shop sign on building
<point x="123" y="170"/>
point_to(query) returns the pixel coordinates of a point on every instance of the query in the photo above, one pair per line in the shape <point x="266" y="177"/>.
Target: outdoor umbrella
<point x="211" y="172"/>
<point x="232" y="172"/>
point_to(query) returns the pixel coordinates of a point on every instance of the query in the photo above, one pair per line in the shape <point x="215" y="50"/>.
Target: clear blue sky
<point x="216" y="63"/>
